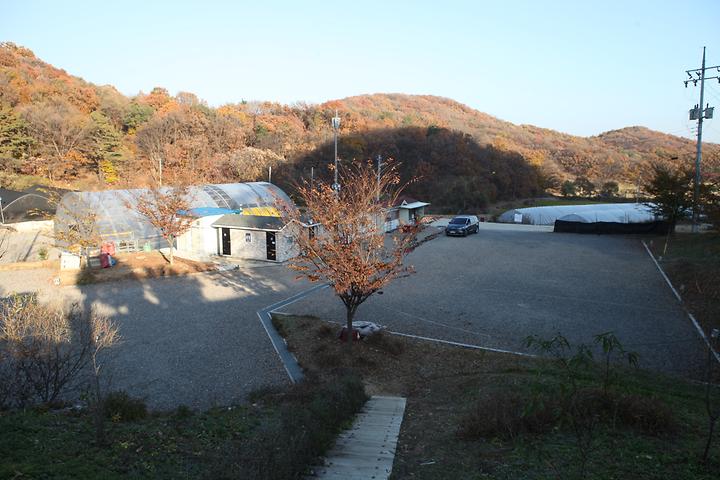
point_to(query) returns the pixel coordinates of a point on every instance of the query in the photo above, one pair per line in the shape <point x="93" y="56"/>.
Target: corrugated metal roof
<point x="250" y="222"/>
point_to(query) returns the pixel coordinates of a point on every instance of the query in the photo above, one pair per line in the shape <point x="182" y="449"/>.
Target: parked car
<point x="463" y="225"/>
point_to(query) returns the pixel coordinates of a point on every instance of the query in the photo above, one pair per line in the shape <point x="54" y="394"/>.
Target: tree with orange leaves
<point x="163" y="208"/>
<point x="351" y="250"/>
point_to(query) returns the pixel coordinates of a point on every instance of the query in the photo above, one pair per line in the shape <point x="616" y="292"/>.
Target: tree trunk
<point x="171" y="242"/>
<point x="350" y="313"/>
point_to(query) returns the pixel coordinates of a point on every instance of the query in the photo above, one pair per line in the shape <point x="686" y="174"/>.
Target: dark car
<point x="463" y="225"/>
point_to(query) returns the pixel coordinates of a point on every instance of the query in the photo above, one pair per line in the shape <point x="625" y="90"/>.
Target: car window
<point x="458" y="221"/>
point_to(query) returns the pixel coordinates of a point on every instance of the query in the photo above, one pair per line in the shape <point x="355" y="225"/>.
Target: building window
<point x="248" y="237"/>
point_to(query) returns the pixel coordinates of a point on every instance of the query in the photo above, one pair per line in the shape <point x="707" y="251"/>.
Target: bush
<point x="648" y="414"/>
<point x="507" y="415"/>
<point x="183" y="412"/>
<point x="283" y="446"/>
<point x="325" y="331"/>
<point x="386" y="343"/>
<point x="121" y="407"/>
<point x="42" y="350"/>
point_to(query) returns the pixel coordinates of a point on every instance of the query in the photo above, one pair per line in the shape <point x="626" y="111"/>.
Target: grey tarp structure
<point x="600" y="212"/>
<point x="130" y="230"/>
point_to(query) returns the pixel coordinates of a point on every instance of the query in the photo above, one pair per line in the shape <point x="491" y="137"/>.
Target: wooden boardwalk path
<point x="366" y="451"/>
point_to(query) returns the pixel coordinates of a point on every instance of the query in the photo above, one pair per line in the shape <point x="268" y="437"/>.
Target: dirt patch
<point x="136" y="265"/>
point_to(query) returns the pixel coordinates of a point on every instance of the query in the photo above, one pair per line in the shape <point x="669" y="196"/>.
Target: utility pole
<point x="312" y="178"/>
<point x="379" y="168"/>
<point x="336" y="127"/>
<point x="699" y="113"/>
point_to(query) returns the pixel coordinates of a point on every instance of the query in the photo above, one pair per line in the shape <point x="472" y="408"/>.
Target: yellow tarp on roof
<point x="262" y="211"/>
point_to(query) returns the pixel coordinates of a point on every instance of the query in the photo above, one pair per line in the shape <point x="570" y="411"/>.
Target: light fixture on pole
<point x="336" y="127"/>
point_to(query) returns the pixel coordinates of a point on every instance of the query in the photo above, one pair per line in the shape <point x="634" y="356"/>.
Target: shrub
<point x="649" y="414"/>
<point x="507" y="415"/>
<point x="386" y="343"/>
<point x="283" y="446"/>
<point x="121" y="407"/>
<point x="325" y="331"/>
<point x="183" y="411"/>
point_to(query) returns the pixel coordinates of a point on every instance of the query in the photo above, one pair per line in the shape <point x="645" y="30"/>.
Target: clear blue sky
<point x="574" y="66"/>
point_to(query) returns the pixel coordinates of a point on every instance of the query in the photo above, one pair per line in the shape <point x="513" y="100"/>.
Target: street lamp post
<point x="336" y="127"/>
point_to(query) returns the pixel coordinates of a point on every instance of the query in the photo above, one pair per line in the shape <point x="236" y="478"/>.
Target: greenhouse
<point x="600" y="212"/>
<point x="29" y="205"/>
<point x="117" y="221"/>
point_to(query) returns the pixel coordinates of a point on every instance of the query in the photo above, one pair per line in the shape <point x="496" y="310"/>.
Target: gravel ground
<point x="509" y="281"/>
<point x="194" y="340"/>
<point x="23" y="281"/>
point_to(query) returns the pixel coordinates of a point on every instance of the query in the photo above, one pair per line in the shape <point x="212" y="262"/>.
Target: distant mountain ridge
<point x="620" y="154"/>
<point x="106" y="135"/>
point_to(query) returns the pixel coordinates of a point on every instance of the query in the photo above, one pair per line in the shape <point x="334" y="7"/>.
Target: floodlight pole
<point x="336" y="127"/>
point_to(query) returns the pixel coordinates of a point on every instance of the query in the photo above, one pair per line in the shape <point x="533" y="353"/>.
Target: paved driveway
<point x="193" y="340"/>
<point x="509" y="281"/>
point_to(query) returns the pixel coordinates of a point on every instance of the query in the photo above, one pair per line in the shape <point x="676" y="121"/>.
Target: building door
<point x="270" y="242"/>
<point x="225" y="233"/>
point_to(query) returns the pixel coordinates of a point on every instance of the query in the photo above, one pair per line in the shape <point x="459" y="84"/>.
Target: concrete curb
<point x="290" y="363"/>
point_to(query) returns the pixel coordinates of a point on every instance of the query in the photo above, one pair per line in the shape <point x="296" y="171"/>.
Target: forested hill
<point x="57" y="128"/>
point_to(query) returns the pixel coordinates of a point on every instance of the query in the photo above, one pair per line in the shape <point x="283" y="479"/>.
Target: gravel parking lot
<point x="197" y="340"/>
<point x="194" y="340"/>
<point x="509" y="281"/>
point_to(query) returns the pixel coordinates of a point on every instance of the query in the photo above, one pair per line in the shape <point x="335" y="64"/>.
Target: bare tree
<point x="104" y="335"/>
<point x="59" y="130"/>
<point x="162" y="207"/>
<point x="77" y="226"/>
<point x="43" y="349"/>
<point x="351" y="251"/>
<point x="154" y="138"/>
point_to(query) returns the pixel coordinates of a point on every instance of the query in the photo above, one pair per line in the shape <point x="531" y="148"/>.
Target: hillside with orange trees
<point x="59" y="129"/>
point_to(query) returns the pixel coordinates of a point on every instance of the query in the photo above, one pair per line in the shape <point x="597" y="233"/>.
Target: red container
<point x="343" y="335"/>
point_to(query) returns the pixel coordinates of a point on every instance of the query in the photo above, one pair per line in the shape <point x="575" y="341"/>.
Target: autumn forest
<point x="60" y="130"/>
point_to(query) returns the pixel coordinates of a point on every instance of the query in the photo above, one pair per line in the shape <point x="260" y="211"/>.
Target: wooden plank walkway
<point x="366" y="451"/>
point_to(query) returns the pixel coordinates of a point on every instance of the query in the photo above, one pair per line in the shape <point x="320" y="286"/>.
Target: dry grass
<point x="136" y="265"/>
<point x="477" y="414"/>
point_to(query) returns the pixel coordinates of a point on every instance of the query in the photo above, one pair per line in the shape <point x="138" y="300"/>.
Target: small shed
<point x="256" y="237"/>
<point x="406" y="210"/>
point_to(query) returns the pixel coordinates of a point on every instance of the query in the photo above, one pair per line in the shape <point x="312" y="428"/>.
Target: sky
<point x="579" y="67"/>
